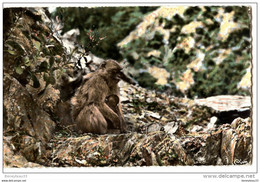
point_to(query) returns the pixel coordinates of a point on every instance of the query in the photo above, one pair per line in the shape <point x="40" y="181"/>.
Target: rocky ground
<point x="162" y="130"/>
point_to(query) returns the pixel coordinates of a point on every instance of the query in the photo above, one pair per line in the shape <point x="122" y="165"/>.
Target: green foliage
<point x="219" y="79"/>
<point x="32" y="51"/>
<point x="102" y="28"/>
<point x="111" y="23"/>
<point x="212" y="79"/>
<point x="192" y="13"/>
<point x="145" y="79"/>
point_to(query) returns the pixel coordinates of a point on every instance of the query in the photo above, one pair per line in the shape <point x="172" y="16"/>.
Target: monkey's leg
<point x="90" y="119"/>
<point x="108" y="113"/>
<point x="122" y="119"/>
<point x="63" y="112"/>
<point x="114" y="103"/>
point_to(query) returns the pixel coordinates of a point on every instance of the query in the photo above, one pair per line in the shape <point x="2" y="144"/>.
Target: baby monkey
<point x="96" y="106"/>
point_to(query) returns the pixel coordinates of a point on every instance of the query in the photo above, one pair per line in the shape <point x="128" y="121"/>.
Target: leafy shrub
<point x="31" y="50"/>
<point x="113" y="23"/>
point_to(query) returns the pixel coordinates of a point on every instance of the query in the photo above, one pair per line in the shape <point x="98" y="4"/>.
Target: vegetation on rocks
<point x="205" y="50"/>
<point x="112" y="24"/>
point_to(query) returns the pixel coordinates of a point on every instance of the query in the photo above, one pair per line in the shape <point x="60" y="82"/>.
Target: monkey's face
<point x="121" y="75"/>
<point x="115" y="72"/>
<point x="116" y="75"/>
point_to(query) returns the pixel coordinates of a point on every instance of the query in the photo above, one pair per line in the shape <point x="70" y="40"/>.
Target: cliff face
<point x="30" y="68"/>
<point x="162" y="129"/>
<point x="200" y="51"/>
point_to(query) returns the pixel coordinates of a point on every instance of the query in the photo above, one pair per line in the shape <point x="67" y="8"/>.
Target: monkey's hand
<point x="108" y="113"/>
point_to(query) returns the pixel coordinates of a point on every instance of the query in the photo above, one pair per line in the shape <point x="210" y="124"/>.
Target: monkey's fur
<point x="96" y="106"/>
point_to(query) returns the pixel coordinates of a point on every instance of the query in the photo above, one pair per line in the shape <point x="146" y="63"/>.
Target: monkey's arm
<point x="97" y="93"/>
<point x="114" y="103"/>
<point x="108" y="113"/>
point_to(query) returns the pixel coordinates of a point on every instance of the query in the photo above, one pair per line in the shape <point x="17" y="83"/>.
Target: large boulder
<point x="24" y="119"/>
<point x="23" y="114"/>
<point x="12" y="158"/>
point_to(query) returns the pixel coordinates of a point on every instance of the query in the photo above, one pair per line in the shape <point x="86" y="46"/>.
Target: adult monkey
<point x="96" y="105"/>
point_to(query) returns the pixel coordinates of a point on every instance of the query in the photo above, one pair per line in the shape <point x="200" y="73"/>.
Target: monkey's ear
<point x="103" y="65"/>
